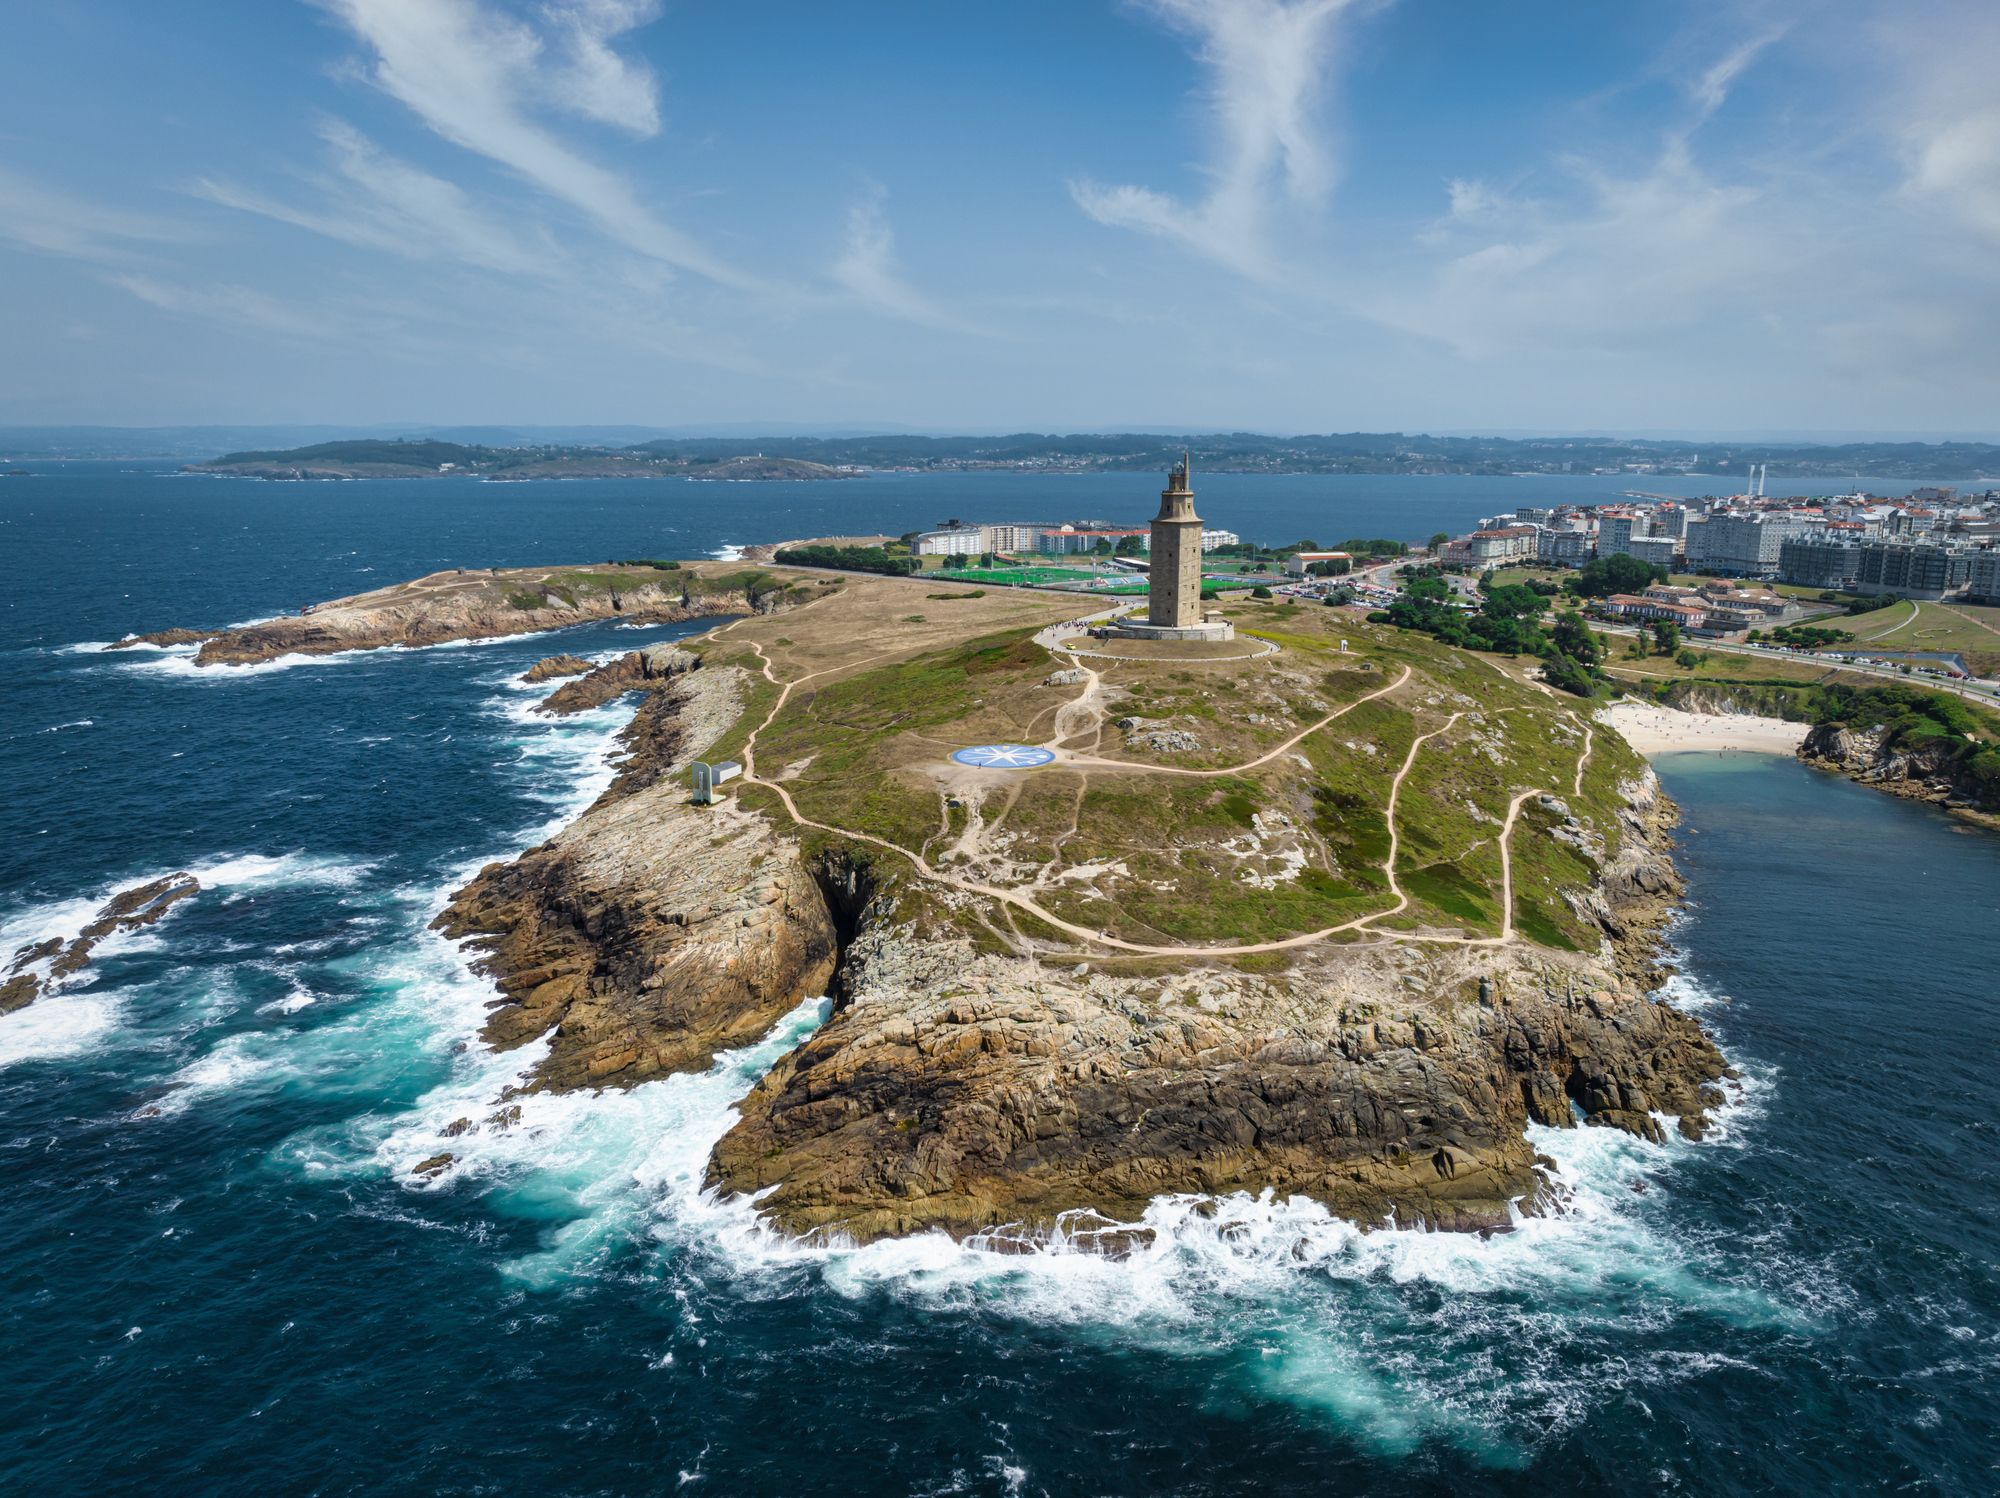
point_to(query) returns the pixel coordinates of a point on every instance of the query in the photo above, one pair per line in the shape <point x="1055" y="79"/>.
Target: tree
<point x="1600" y="577"/>
<point x="1102" y="548"/>
<point x="1567" y="674"/>
<point x="1666" y="636"/>
<point x="1129" y="546"/>
<point x="1511" y="601"/>
<point x="1687" y="660"/>
<point x="1440" y="540"/>
<point x="1305" y="546"/>
<point x="1574" y="639"/>
<point x="986" y="559"/>
<point x="1260" y="591"/>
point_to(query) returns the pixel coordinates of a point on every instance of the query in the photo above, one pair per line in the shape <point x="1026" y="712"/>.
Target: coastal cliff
<point x="649" y="934"/>
<point x="965" y="1091"/>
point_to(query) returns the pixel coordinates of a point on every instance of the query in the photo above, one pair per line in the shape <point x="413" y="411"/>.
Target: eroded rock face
<point x="1932" y="771"/>
<point x="961" y="1092"/>
<point x="649" y="934"/>
<point x="37" y="968"/>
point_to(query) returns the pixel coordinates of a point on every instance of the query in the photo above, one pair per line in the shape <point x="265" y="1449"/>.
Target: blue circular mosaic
<point x="1003" y="756"/>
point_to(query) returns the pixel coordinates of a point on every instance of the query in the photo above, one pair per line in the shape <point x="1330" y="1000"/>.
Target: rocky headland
<point x="1935" y="771"/>
<point x="488" y="603"/>
<point x="991" y="1064"/>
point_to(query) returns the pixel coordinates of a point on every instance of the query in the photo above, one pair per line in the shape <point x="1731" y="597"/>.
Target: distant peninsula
<point x="375" y="459"/>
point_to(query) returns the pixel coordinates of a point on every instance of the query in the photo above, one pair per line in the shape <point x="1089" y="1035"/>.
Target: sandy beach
<point x="1664" y="730"/>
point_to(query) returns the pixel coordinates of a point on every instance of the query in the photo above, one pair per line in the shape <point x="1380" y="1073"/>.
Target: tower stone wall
<point x="1174" y="570"/>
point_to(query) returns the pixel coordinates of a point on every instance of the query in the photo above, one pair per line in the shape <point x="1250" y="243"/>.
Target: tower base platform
<point x="1208" y="629"/>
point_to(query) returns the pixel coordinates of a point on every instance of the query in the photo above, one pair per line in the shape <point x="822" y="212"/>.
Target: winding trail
<point x="1014" y="900"/>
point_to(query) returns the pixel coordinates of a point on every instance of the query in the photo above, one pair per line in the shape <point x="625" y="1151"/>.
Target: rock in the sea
<point x="633" y="671"/>
<point x="128" y="910"/>
<point x="551" y="667"/>
<point x="163" y="637"/>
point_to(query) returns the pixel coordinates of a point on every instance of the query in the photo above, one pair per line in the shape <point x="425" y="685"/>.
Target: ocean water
<point x="221" y="1277"/>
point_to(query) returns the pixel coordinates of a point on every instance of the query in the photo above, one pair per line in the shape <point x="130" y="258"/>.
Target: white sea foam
<point x="63" y="921"/>
<point x="233" y="1064"/>
<point x="729" y="551"/>
<point x="178" y="662"/>
<point x="76" y="723"/>
<point x="57" y="1027"/>
<point x="268" y="871"/>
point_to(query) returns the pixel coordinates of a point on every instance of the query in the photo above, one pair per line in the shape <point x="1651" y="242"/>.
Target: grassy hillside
<point x="1358" y="793"/>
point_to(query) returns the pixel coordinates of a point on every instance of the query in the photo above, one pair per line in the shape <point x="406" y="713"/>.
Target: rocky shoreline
<point x="969" y="1090"/>
<point x="1929" y="774"/>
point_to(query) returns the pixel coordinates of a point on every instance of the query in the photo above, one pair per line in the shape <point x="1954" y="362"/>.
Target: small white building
<point x="1299" y="563"/>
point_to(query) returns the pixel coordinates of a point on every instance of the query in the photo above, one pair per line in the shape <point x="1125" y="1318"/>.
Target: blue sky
<point x="1292" y="215"/>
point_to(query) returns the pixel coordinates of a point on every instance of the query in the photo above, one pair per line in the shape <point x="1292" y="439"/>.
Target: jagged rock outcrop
<point x="1932" y="770"/>
<point x="554" y="667"/>
<point x="1637" y="889"/>
<point x="633" y="671"/>
<point x="647" y="936"/>
<point x="37" y="968"/>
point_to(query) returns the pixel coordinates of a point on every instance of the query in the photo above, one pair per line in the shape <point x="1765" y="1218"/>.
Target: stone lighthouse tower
<point x="1173" y="589"/>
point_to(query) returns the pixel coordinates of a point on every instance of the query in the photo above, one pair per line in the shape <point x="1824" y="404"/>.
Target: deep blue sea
<point x="220" y="1278"/>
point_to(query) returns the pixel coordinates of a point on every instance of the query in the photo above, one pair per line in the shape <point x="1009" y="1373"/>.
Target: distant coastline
<point x="609" y="452"/>
<point x="336" y="461"/>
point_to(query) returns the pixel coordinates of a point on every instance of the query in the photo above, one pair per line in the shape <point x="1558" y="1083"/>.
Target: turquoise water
<point x="222" y="1279"/>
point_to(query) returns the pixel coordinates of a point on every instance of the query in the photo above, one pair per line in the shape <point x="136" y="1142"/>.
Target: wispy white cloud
<point x="46" y="219"/>
<point x="596" y="80"/>
<point x="1268" y="63"/>
<point x="1608" y="259"/>
<point x="474" y="76"/>
<point x="1942" y="117"/>
<point x="870" y="272"/>
<point x="378" y="201"/>
<point x="1710" y="89"/>
<point x="237" y="306"/>
<point x="1632" y="256"/>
